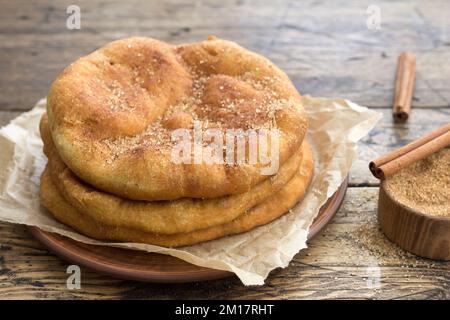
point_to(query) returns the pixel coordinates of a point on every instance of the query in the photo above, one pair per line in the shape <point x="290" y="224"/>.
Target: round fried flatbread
<point x="113" y="111"/>
<point x="163" y="217"/>
<point x="267" y="211"/>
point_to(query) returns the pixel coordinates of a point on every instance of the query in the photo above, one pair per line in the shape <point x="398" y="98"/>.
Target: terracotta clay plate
<point x="154" y="267"/>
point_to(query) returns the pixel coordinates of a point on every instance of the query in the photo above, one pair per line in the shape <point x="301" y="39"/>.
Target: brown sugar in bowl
<point x="414" y="207"/>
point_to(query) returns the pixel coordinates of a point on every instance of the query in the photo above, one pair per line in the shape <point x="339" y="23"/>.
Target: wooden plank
<point x="332" y="57"/>
<point x="350" y="259"/>
<point x="36" y="45"/>
<point x="337" y="55"/>
<point x="7" y="116"/>
<point x="365" y="78"/>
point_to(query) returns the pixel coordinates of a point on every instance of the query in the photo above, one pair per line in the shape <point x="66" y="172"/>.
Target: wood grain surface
<point x="327" y="50"/>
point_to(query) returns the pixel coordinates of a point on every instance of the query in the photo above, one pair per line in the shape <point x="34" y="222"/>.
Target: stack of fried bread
<point x="108" y="136"/>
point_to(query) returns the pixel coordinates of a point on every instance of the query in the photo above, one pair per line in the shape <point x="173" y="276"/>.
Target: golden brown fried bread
<point x="272" y="208"/>
<point x="165" y="217"/>
<point x="111" y="114"/>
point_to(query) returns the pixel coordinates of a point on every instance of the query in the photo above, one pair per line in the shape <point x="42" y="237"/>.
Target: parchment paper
<point x="335" y="127"/>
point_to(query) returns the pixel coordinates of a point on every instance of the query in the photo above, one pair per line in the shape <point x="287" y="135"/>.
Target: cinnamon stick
<point x="404" y="86"/>
<point x="421" y="148"/>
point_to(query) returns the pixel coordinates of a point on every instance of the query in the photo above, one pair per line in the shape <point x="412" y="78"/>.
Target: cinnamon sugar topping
<point x="425" y="185"/>
<point x="227" y="112"/>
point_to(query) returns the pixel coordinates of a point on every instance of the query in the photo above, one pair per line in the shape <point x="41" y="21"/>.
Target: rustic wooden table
<point x="327" y="50"/>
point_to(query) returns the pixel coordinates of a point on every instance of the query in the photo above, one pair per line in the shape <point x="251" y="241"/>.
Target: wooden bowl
<point x="422" y="234"/>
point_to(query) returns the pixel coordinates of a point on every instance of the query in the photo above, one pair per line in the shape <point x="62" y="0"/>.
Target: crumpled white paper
<point x="335" y="127"/>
